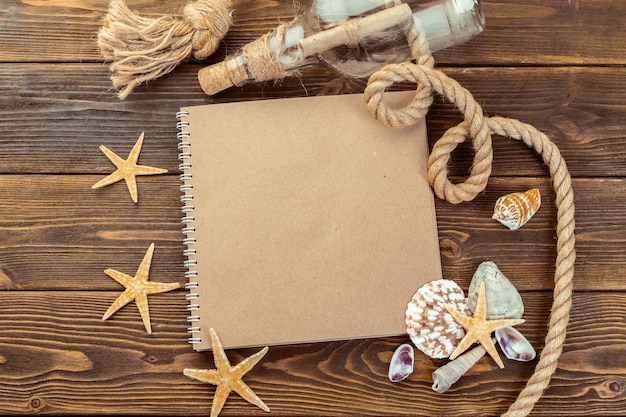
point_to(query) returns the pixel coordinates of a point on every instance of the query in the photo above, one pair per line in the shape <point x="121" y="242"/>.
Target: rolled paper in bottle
<point x="354" y="30"/>
<point x="260" y="60"/>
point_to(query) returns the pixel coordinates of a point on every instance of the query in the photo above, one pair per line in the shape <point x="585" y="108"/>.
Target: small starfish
<point x="127" y="169"/>
<point x="138" y="288"/>
<point x="228" y="378"/>
<point x="478" y="328"/>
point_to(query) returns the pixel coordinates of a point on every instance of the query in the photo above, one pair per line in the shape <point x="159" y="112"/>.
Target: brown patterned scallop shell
<point x="431" y="328"/>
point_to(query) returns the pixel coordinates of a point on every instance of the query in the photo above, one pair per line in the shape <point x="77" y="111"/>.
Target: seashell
<point x="503" y="300"/>
<point x="514" y="210"/>
<point x="514" y="345"/>
<point x="445" y="376"/>
<point x="401" y="365"/>
<point x="432" y="329"/>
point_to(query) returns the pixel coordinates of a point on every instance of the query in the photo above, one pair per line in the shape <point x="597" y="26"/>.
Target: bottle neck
<point x="450" y="23"/>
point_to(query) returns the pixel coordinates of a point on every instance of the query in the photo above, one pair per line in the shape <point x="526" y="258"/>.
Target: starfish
<point x="478" y="328"/>
<point x="127" y="169"/>
<point x="228" y="378"/>
<point x="138" y="288"/>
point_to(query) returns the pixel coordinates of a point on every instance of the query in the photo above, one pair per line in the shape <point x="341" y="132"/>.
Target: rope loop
<point x="474" y="126"/>
<point x="405" y="116"/>
<point x="479" y="129"/>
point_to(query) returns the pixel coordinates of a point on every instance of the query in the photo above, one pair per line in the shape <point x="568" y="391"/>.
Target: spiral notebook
<point x="305" y="220"/>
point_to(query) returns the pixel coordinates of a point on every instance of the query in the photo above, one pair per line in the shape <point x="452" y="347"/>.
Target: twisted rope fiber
<point x="142" y="49"/>
<point x="480" y="128"/>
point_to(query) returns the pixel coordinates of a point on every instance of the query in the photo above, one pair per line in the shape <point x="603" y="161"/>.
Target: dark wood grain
<point x="533" y="32"/>
<point x="54" y="117"/>
<point x="58" y="357"/>
<point x="68" y="233"/>
<point x="556" y="65"/>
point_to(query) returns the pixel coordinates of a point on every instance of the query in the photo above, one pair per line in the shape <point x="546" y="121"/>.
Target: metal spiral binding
<point x="189" y="241"/>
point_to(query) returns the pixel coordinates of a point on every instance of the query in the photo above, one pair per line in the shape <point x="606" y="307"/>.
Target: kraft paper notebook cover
<point x="305" y="220"/>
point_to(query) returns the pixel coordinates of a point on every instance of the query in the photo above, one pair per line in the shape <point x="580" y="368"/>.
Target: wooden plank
<point x="58" y="357"/>
<point x="556" y="33"/>
<point x="468" y="236"/>
<point x="54" y="117"/>
<point x="58" y="233"/>
<point x="530" y="33"/>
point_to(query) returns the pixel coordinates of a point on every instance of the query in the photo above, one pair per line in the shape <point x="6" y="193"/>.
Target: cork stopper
<point x="223" y="75"/>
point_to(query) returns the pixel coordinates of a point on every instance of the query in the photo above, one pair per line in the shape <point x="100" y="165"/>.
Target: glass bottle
<point x="354" y="38"/>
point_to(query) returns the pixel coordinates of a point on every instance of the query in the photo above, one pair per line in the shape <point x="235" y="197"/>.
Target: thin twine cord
<point x="480" y="128"/>
<point x="142" y="49"/>
<point x="263" y="58"/>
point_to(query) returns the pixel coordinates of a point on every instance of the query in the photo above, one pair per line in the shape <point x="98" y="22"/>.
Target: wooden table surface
<point x="558" y="65"/>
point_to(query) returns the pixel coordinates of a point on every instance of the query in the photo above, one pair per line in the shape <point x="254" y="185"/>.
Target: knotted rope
<point x="480" y="128"/>
<point x="143" y="49"/>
